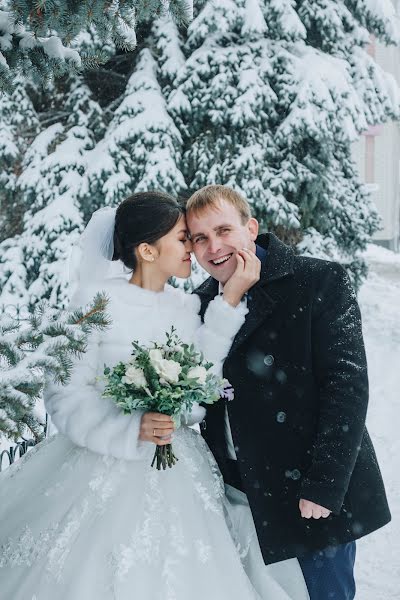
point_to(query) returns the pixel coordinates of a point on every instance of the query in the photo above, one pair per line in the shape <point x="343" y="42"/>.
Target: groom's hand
<point x="156" y="428"/>
<point x="310" y="510"/>
<point x="247" y="274"/>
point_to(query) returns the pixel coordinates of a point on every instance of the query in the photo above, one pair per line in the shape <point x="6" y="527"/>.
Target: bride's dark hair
<point x="143" y="217"/>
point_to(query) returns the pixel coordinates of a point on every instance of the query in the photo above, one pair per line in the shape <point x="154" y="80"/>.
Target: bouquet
<point x="166" y="378"/>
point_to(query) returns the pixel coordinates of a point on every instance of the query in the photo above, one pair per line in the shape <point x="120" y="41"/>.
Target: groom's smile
<point x="222" y="260"/>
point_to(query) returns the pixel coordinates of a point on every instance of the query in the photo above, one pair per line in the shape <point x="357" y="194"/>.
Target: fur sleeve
<point x="221" y="324"/>
<point x="80" y="412"/>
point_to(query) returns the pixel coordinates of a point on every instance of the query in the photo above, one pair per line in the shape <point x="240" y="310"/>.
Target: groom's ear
<point x="253" y="227"/>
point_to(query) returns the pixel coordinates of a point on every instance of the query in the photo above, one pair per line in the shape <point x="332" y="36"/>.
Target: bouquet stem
<point x="164" y="457"/>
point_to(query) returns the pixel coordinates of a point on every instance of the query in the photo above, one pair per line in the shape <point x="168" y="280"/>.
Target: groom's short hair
<point x="209" y="196"/>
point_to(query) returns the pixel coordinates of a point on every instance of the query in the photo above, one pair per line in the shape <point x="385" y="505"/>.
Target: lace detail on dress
<point x="26" y="549"/>
<point x="194" y="461"/>
<point x="74" y="457"/>
<point x="62" y="542"/>
<point x="204" y="551"/>
<point x="101" y="489"/>
<point x="55" y="542"/>
<point x="144" y="544"/>
<point x="98" y="527"/>
<point x="103" y="482"/>
<point x="159" y="538"/>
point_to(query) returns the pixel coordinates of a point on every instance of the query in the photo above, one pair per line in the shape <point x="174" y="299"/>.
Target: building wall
<point x="377" y="155"/>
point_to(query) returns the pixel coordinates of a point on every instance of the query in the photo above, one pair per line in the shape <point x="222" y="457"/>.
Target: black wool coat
<point x="299" y="373"/>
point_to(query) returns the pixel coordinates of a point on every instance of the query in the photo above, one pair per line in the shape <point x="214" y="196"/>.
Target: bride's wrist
<point x="232" y="299"/>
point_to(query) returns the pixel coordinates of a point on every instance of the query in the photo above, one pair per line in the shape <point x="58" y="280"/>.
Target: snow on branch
<point x="36" y="36"/>
<point x="42" y="347"/>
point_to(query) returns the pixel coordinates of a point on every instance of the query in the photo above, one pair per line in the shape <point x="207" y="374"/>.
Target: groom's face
<point x="218" y="233"/>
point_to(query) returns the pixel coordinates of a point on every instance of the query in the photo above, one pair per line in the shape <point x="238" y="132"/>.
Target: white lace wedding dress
<point x="83" y="516"/>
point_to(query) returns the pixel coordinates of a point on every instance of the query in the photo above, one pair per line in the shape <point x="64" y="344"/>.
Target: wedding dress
<point x="83" y="516"/>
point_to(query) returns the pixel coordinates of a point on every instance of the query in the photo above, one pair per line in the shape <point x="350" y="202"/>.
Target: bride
<point x="83" y="516"/>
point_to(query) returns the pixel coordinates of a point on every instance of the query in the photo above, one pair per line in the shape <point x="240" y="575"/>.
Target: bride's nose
<point x="188" y="246"/>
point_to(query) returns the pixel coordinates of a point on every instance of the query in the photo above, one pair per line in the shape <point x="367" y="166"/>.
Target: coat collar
<point x="278" y="264"/>
<point x="268" y="292"/>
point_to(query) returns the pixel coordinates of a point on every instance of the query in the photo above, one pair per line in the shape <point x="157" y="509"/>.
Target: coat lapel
<point x="266" y="294"/>
<point x="260" y="305"/>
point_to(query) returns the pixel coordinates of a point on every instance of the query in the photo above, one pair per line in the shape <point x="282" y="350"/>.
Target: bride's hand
<point x="247" y="273"/>
<point x="156" y="428"/>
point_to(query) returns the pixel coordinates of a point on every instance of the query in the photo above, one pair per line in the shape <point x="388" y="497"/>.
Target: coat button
<point x="269" y="360"/>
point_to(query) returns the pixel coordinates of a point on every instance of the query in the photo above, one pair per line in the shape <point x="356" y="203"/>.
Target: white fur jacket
<point x="78" y="409"/>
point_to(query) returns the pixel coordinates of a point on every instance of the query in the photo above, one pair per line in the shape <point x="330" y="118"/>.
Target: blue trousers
<point x="329" y="573"/>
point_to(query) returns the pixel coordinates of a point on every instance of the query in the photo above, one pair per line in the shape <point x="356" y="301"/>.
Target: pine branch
<point x="39" y="33"/>
<point x="113" y="105"/>
<point x="43" y="347"/>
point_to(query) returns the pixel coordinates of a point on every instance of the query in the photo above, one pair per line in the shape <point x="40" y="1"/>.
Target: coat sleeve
<point x="340" y="368"/>
<point x="214" y="337"/>
<point x="80" y="412"/>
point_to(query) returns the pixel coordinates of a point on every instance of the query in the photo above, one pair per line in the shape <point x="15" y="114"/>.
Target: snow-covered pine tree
<point x="18" y="126"/>
<point x="167" y="41"/>
<point x="141" y="147"/>
<point x="337" y="73"/>
<point x="167" y="44"/>
<point x="51" y="180"/>
<point x="36" y="35"/>
<point x="226" y="107"/>
<point x="272" y="96"/>
<point x="266" y="96"/>
<point x="45" y="344"/>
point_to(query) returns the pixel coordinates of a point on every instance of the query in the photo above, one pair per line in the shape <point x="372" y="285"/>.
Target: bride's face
<point x="174" y="251"/>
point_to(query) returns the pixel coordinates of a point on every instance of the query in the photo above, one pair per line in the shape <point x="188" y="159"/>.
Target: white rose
<point x="199" y="373"/>
<point x="135" y="376"/>
<point x="169" y="370"/>
<point x="156" y="358"/>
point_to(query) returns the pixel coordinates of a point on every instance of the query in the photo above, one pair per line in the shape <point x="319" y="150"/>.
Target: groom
<point x="294" y="437"/>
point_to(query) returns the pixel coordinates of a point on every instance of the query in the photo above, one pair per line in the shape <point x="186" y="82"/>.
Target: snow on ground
<point x="378" y="555"/>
